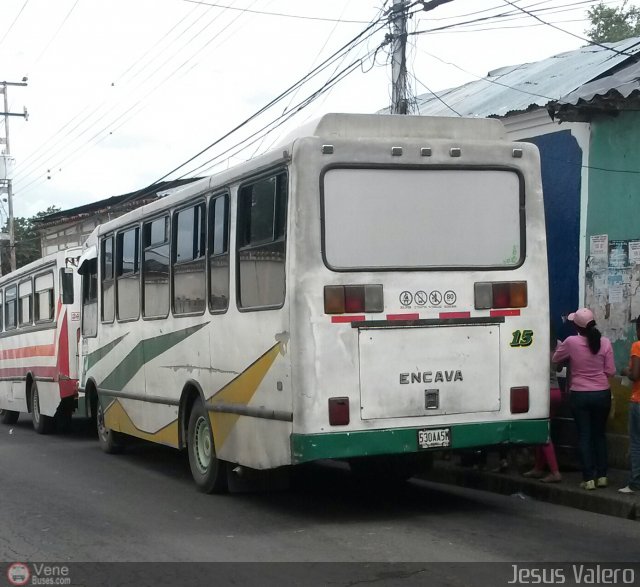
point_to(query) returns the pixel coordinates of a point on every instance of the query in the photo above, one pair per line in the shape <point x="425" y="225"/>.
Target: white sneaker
<point x="626" y="490"/>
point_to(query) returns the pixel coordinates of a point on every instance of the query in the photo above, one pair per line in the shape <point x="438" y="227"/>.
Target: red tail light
<point x="338" y="411"/>
<point x="354" y="298"/>
<point x="519" y="400"/>
<point x="349" y="299"/>
<point x="505" y="294"/>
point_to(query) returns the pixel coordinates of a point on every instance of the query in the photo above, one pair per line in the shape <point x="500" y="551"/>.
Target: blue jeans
<point x="590" y="411"/>
<point x="634" y="444"/>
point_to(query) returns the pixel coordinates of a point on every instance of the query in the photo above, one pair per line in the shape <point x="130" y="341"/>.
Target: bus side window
<point x="90" y="298"/>
<point x="25" y="303"/>
<point x="189" y="283"/>
<point x="44" y="301"/>
<point x="1" y="312"/>
<point x="66" y="286"/>
<point x="219" y="253"/>
<point x="262" y="215"/>
<point x="128" y="274"/>
<point x="155" y="268"/>
<point x="11" y="307"/>
<point x="107" y="289"/>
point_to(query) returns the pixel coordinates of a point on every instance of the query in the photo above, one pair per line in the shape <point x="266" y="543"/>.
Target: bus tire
<point x="9" y="416"/>
<point x="208" y="472"/>
<point x="110" y="441"/>
<point x="41" y="424"/>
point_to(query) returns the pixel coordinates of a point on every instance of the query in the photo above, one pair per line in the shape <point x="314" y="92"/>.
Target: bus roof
<point x="398" y="126"/>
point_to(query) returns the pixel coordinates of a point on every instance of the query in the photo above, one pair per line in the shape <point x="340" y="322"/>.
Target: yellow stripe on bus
<point x="116" y="418"/>
<point x="239" y="391"/>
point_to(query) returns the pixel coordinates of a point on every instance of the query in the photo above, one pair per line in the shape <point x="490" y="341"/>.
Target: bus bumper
<point x="340" y="445"/>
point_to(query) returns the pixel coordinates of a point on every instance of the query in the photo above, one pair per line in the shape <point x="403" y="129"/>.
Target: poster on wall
<point x="613" y="283"/>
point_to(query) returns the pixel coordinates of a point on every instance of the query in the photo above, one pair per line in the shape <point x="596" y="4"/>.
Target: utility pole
<point x="12" y="241"/>
<point x="399" y="98"/>
<point x="400" y="86"/>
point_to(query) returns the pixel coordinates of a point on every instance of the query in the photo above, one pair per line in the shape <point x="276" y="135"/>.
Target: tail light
<point x="348" y="299"/>
<point x="506" y="294"/>
<point x="338" y="411"/>
<point x="519" y="400"/>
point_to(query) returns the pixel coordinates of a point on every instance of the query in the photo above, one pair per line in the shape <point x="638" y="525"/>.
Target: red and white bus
<point x="39" y="335"/>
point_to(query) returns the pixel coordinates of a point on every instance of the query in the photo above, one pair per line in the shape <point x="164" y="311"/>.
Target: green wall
<point x="614" y="189"/>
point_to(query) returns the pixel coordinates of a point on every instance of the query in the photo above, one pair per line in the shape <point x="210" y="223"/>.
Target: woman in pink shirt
<point x="590" y="358"/>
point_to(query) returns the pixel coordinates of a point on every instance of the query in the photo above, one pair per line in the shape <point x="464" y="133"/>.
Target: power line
<point x="133" y="109"/>
<point x="302" y="80"/>
<point x="282" y="14"/>
<point x="30" y="163"/>
<point x="588" y="41"/>
<point x="53" y="37"/>
<point x="14" y="21"/>
<point x="436" y="96"/>
<point x="356" y="40"/>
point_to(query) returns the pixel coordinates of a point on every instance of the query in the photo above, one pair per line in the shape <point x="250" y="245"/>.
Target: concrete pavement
<point x="568" y="492"/>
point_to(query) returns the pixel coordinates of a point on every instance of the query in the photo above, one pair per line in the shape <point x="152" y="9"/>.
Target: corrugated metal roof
<point x="518" y="88"/>
<point x="618" y="91"/>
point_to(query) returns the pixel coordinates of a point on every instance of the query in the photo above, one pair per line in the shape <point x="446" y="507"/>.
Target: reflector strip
<point x="343" y="319"/>
<point x="455" y="314"/>
<point x="494" y="313"/>
<point x="403" y="316"/>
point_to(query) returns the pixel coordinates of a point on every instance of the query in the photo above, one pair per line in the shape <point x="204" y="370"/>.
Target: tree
<point x="27" y="240"/>
<point x="609" y="25"/>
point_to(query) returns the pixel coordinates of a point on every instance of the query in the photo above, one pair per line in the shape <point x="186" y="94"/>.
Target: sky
<point x="121" y="93"/>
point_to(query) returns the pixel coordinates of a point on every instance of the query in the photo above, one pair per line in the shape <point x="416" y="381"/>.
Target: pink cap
<point x="581" y="317"/>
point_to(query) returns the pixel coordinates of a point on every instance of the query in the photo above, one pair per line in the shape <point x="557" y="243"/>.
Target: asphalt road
<point x="62" y="499"/>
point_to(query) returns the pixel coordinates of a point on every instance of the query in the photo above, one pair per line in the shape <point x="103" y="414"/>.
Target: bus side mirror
<point x="66" y="285"/>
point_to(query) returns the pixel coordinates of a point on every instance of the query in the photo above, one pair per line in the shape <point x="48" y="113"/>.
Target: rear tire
<point x="41" y="424"/>
<point x="208" y="472"/>
<point x="110" y="441"/>
<point x="9" y="417"/>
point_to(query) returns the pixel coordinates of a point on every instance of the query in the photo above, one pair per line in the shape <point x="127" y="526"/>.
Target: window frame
<point x="209" y="244"/>
<point x="143" y="249"/>
<point x="135" y="274"/>
<point x="21" y="322"/>
<point x="111" y="280"/>
<point x="239" y="247"/>
<point x="199" y="201"/>
<point x="8" y="328"/>
<point x="36" y="298"/>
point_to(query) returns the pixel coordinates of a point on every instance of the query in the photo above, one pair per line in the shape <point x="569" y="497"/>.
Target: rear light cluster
<point x="506" y="294"/>
<point x="338" y="411"/>
<point x="519" y="400"/>
<point x="347" y="299"/>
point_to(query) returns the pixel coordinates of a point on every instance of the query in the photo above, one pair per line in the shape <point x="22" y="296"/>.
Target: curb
<point x="598" y="501"/>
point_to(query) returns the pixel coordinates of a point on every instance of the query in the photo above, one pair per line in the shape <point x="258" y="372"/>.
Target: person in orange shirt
<point x="633" y="373"/>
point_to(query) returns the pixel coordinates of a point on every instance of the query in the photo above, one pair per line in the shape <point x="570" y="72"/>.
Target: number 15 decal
<point x="522" y="338"/>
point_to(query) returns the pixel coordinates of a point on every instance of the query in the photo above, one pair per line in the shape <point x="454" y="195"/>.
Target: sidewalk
<point x="567" y="493"/>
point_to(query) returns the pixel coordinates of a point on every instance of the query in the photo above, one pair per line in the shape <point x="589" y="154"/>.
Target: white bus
<point x="39" y="338"/>
<point x="370" y="291"/>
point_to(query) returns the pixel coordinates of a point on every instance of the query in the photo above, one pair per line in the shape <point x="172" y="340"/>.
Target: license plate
<point x="434" y="438"/>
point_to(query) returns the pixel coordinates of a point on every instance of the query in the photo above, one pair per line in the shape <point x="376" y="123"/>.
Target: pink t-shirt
<point x="589" y="372"/>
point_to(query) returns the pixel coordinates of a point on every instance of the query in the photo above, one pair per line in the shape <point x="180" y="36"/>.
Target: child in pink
<point x="546" y="455"/>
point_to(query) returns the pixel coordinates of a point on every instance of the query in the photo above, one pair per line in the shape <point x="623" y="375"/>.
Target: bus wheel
<point x="9" y="416"/>
<point x="41" y="424"/>
<point x="110" y="441"/>
<point x="209" y="472"/>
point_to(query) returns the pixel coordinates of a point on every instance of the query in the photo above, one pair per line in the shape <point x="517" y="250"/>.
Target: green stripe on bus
<point x="92" y="358"/>
<point x="339" y="445"/>
<point x="142" y="353"/>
